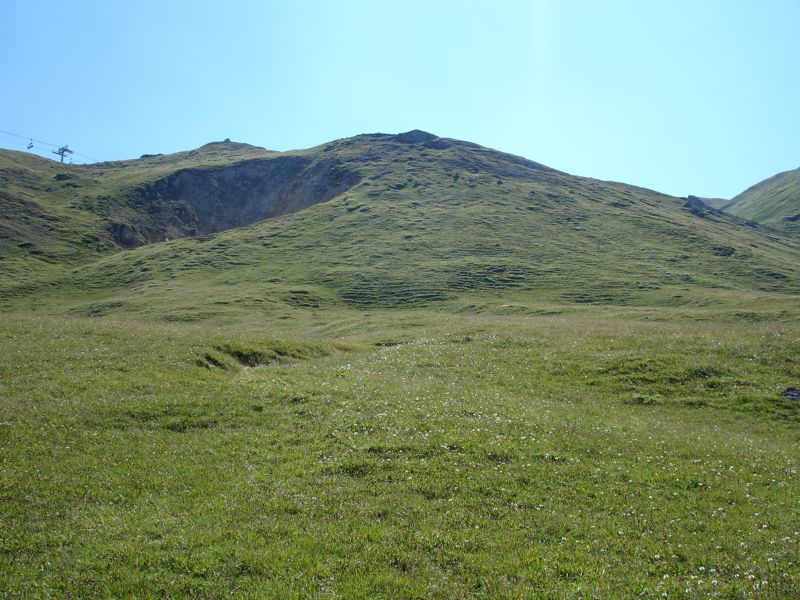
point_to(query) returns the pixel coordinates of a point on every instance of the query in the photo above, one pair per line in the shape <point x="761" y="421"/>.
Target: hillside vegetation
<point x="376" y="221"/>
<point x="391" y="366"/>
<point x="774" y="202"/>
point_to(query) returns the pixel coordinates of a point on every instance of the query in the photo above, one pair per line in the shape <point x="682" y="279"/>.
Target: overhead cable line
<point x="25" y="137"/>
<point x="43" y="143"/>
<point x="12" y="141"/>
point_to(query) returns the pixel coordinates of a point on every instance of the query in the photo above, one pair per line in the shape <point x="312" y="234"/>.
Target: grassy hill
<point x="717" y="203"/>
<point x="376" y="221"/>
<point x="54" y="215"/>
<point x="774" y="202"/>
<point x="391" y="366"/>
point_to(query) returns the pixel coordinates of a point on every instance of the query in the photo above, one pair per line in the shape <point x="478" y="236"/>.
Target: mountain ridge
<point x="774" y="202"/>
<point x="371" y="221"/>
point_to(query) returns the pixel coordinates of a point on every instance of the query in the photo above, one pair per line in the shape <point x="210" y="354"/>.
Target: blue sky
<point x="686" y="97"/>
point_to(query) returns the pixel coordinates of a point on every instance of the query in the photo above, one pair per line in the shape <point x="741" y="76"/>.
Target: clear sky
<point x="684" y="96"/>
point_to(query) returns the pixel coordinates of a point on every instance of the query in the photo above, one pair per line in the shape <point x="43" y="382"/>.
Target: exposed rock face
<point x="126" y="235"/>
<point x="697" y="206"/>
<point x="203" y="201"/>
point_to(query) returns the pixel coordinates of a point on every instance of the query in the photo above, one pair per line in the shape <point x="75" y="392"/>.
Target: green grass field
<point x="399" y="454"/>
<point x="440" y="371"/>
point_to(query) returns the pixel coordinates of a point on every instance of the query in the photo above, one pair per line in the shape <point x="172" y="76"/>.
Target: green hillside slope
<point x="54" y="214"/>
<point x="717" y="203"/>
<point x="400" y="220"/>
<point x="774" y="202"/>
<point x="408" y="367"/>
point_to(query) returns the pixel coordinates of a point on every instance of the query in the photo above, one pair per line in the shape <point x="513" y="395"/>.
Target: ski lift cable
<point x="27" y="137"/>
<point x="41" y="142"/>
<point x="12" y="141"/>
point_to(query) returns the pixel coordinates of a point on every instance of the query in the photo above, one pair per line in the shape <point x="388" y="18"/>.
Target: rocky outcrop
<point x="126" y="235"/>
<point x="696" y="206"/>
<point x="202" y="201"/>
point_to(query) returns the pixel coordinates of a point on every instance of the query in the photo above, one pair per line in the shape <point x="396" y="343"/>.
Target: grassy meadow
<point x="399" y="454"/>
<point x="435" y="371"/>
